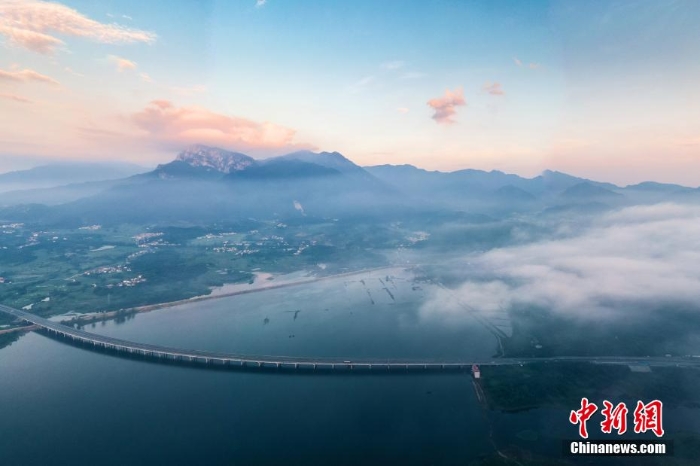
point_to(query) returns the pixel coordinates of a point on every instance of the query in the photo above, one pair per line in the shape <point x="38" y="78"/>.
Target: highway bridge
<point x="224" y="360"/>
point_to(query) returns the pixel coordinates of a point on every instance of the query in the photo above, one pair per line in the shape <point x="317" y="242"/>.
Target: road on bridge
<point x="261" y="361"/>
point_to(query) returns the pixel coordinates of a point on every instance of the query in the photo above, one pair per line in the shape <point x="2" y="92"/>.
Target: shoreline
<point x="110" y="315"/>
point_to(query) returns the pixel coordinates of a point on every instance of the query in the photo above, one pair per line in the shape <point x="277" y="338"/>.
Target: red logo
<point x="647" y="417"/>
<point x="582" y="416"/>
<point x="615" y="418"/>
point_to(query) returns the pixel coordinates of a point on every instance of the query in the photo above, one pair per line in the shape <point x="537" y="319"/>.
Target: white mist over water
<point x="637" y="255"/>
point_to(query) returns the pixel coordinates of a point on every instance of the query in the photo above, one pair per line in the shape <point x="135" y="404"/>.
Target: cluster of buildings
<point x="128" y="282"/>
<point x="108" y="269"/>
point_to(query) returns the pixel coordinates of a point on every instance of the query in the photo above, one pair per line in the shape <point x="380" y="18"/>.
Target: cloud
<point x="175" y="127"/>
<point x="403" y="110"/>
<point x="532" y="66"/>
<point x="639" y="256"/>
<point x="110" y="15"/>
<point x="445" y="106"/>
<point x="26" y="75"/>
<point x="361" y="84"/>
<point x="493" y="89"/>
<point x="16" y="98"/>
<point x="145" y="77"/>
<point x="33" y="24"/>
<point x="260" y="3"/>
<point x="393" y="65"/>
<point x="121" y="63"/>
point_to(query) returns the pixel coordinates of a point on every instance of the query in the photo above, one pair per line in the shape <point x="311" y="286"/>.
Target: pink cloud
<point x="16" y="98"/>
<point x="35" y="41"/>
<point x="31" y="24"/>
<point x="122" y="64"/>
<point x="175" y="127"/>
<point x="445" y="106"/>
<point x="26" y="75"/>
<point x="493" y="89"/>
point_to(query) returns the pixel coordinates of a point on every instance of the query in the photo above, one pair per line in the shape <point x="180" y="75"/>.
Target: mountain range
<point x="60" y="174"/>
<point x="205" y="184"/>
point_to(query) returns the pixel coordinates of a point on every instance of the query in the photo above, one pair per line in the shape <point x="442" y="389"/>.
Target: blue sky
<point x="600" y="89"/>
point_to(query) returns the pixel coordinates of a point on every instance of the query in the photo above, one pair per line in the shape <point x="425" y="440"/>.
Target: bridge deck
<point x="238" y="360"/>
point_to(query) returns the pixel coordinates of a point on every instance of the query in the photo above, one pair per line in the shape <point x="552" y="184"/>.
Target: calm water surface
<point x="61" y="404"/>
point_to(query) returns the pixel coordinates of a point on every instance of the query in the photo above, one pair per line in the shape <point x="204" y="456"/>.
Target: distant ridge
<point x="203" y="184"/>
<point x="59" y="174"/>
<point x="513" y="193"/>
<point x="657" y="187"/>
<point x="333" y="160"/>
<point x="588" y="191"/>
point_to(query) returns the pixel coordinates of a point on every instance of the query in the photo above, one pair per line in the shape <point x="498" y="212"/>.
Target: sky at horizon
<point x="606" y="90"/>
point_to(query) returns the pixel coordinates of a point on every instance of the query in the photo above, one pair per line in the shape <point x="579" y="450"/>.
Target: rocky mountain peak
<point x="214" y="158"/>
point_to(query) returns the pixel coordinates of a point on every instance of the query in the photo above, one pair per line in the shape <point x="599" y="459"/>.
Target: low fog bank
<point x="639" y="257"/>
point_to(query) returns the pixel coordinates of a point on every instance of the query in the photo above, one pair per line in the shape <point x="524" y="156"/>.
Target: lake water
<point x="60" y="404"/>
<point x="373" y="315"/>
